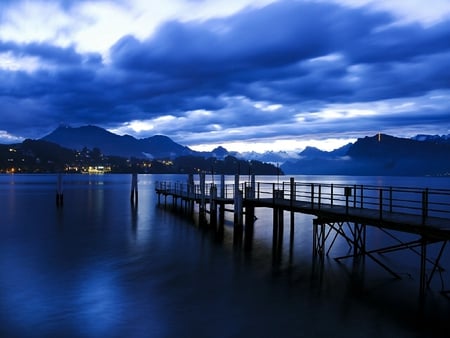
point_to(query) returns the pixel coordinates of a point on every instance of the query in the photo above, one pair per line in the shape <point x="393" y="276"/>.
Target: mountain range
<point x="91" y="137"/>
<point x="380" y="154"/>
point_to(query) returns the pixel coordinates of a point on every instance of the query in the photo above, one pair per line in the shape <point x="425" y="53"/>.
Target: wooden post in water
<point x="238" y="221"/>
<point x="202" y="209"/>
<point x="250" y="209"/>
<point x="292" y="228"/>
<point x="278" y="226"/>
<point x="222" y="204"/>
<point x="238" y="203"/>
<point x="191" y="193"/>
<point x="59" y="191"/>
<point x="249" y="214"/>
<point x="134" y="189"/>
<point x="213" y="205"/>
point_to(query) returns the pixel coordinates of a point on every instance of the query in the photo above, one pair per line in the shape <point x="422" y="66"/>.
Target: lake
<point x="99" y="267"/>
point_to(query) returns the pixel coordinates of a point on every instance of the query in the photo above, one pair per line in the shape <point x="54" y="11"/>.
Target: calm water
<point x="100" y="268"/>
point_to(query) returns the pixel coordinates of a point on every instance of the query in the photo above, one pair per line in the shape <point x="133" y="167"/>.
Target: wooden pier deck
<point x="422" y="212"/>
<point x="411" y="210"/>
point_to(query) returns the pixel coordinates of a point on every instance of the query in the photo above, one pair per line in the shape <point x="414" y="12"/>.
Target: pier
<point x="340" y="212"/>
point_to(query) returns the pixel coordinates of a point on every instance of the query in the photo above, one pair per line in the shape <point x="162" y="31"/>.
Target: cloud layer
<point x="289" y="70"/>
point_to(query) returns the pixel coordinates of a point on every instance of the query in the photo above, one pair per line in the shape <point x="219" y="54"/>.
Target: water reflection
<point x="100" y="266"/>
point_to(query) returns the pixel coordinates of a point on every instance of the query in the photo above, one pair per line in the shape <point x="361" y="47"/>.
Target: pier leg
<point x="238" y="209"/>
<point x="275" y="235"/>
<point x="222" y="205"/>
<point x="359" y="239"/>
<point x="291" y="238"/>
<point x="249" y="216"/>
<point x="238" y="202"/>
<point x="221" y="215"/>
<point x="213" y="206"/>
<point x="278" y="232"/>
<point x="423" y="277"/>
<point x="249" y="226"/>
<point x="202" y="208"/>
<point x="190" y="194"/>
<point x="318" y="238"/>
<point x="248" y="236"/>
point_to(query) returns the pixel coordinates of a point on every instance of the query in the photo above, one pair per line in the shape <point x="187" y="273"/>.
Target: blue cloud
<point x="297" y="54"/>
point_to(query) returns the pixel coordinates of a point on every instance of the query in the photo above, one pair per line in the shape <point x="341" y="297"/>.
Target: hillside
<point x="91" y="137"/>
<point x="377" y="155"/>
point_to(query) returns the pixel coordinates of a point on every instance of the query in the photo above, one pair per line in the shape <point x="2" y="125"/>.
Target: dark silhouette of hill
<point x="39" y="156"/>
<point x="35" y="156"/>
<point x="377" y="155"/>
<point x="91" y="137"/>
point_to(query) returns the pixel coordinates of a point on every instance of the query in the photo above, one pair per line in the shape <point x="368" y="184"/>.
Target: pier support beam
<point x="238" y="203"/>
<point x="190" y="194"/>
<point x="318" y="238"/>
<point x="250" y="208"/>
<point x="222" y="204"/>
<point x="278" y="227"/>
<point x="359" y="239"/>
<point x="423" y="276"/>
<point x="292" y="196"/>
<point x="213" y="205"/>
<point x="238" y="214"/>
<point x="202" y="208"/>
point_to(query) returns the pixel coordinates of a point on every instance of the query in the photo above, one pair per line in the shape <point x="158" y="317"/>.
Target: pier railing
<point x="413" y="201"/>
<point x="416" y="201"/>
<point x="420" y="211"/>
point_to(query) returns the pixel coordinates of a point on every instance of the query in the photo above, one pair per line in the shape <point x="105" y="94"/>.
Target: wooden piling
<point x="213" y="205"/>
<point x="191" y="193"/>
<point x="59" y="191"/>
<point x="134" y="188"/>
<point x="222" y="204"/>
<point x="202" y="208"/>
<point x="292" y="218"/>
<point x="333" y="208"/>
<point x="250" y="208"/>
<point x="238" y="203"/>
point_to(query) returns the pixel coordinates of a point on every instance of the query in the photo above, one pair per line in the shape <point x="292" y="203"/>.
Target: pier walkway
<point x="340" y="211"/>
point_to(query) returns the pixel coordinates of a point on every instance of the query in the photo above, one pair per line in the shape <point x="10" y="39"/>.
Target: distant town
<point x="37" y="156"/>
<point x="93" y="150"/>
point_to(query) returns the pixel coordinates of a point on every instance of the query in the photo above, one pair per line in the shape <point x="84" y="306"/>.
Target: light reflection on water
<point x="99" y="267"/>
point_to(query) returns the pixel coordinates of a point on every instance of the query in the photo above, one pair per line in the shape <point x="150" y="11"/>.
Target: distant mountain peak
<point x="158" y="146"/>
<point x="432" y="138"/>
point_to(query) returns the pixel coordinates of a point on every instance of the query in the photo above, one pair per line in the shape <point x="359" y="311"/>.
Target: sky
<point x="249" y="75"/>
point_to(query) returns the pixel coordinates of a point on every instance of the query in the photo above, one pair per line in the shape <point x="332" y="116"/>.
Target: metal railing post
<point x="381" y="204"/>
<point x="292" y="197"/>
<point x="332" y="194"/>
<point x="424" y="205"/>
<point x="320" y="195"/>
<point x="361" y="197"/>
<point x="390" y="199"/>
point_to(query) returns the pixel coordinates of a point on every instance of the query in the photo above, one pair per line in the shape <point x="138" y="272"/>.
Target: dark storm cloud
<point x="400" y="43"/>
<point x="292" y="53"/>
<point x="264" y="53"/>
<point x="49" y="53"/>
